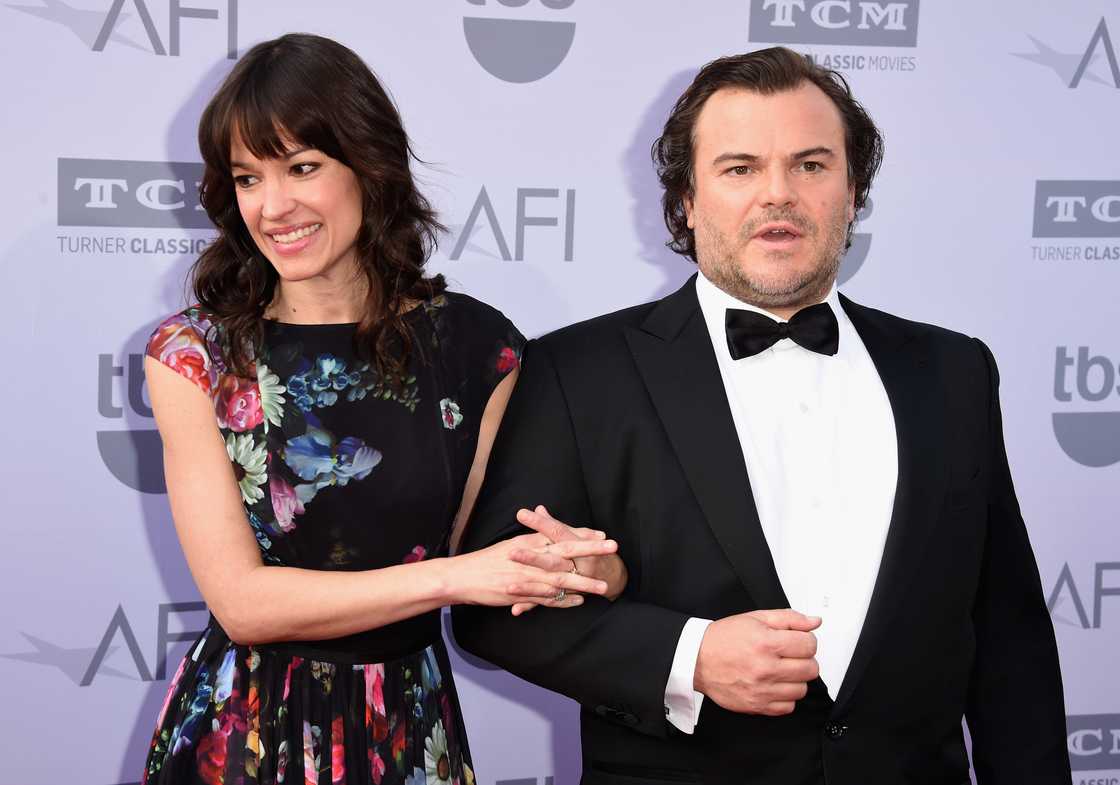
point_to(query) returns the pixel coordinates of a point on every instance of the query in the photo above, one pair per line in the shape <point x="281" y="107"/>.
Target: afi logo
<point x="1066" y="596"/>
<point x="81" y="666"/>
<point x="1077" y="208"/>
<point x="835" y="22"/>
<point x="1092" y="438"/>
<point x="135" y="457"/>
<point x="108" y="30"/>
<point x="562" y="217"/>
<point x="146" y="194"/>
<point x="519" y="50"/>
<point x="1063" y="63"/>
<point x="1093" y="741"/>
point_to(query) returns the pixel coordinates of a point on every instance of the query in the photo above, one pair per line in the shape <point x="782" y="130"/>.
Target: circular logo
<point x="519" y="50"/>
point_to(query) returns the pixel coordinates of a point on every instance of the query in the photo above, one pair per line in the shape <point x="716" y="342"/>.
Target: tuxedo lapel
<point x="911" y="387"/>
<point x="673" y="352"/>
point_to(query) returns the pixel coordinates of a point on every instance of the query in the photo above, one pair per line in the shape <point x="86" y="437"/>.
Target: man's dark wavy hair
<point x="766" y="71"/>
<point x="313" y="91"/>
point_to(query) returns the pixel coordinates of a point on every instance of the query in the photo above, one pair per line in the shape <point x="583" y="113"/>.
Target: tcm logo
<point x="546" y="208"/>
<point x="1092" y="438"/>
<point x="1072" y="68"/>
<point x="134" y="456"/>
<point x="519" y="50"/>
<point x="1066" y="598"/>
<point x="97" y="34"/>
<point x="81" y="665"/>
<point x="1093" y="741"/>
<point x="856" y="255"/>
<point x="1077" y="208"/>
<point x="835" y="22"/>
<point x="142" y="194"/>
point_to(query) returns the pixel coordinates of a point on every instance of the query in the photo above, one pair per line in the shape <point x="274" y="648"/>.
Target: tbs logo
<point x="143" y="194"/>
<point x="1092" y="438"/>
<point x="519" y="50"/>
<point x="133" y="456"/>
<point x="835" y="22"/>
<point x="1077" y="208"/>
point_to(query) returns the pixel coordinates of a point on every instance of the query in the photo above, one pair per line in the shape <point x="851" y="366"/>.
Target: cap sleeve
<point x="183" y="343"/>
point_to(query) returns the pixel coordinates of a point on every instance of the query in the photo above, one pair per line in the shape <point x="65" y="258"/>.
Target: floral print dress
<point x="338" y="470"/>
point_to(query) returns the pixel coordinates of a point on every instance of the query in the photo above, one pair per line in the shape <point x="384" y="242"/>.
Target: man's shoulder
<point x="893" y="324"/>
<point x="599" y="334"/>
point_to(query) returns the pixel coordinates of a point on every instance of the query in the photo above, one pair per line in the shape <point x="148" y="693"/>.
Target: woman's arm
<point x="256" y="603"/>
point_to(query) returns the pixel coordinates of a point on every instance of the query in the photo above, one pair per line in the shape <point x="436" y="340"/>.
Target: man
<point x="828" y="567"/>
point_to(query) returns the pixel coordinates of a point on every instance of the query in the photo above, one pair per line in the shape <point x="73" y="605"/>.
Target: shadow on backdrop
<point x="178" y="585"/>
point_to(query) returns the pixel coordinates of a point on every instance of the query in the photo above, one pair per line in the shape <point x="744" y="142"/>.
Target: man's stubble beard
<point x="719" y="260"/>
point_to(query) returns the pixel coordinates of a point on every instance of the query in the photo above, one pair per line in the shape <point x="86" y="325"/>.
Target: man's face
<point x="772" y="201"/>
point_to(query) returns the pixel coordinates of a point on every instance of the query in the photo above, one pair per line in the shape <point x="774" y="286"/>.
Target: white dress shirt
<point x="819" y="443"/>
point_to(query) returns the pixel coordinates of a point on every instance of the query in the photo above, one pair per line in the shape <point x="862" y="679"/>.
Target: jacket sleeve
<point x="1016" y="710"/>
<point x="614" y="658"/>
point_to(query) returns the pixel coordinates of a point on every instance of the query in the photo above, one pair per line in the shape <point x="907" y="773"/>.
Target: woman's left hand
<point x="553" y="557"/>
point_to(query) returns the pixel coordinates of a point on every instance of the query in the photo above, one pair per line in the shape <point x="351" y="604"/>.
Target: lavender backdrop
<point x="997" y="213"/>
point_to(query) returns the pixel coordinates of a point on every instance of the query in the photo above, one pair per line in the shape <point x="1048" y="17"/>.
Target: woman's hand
<point x="565" y="551"/>
<point x="491" y="576"/>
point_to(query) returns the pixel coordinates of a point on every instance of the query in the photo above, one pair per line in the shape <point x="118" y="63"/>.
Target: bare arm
<point x="256" y="603"/>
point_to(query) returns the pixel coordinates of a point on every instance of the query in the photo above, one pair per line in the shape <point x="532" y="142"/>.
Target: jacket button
<point x="835" y="730"/>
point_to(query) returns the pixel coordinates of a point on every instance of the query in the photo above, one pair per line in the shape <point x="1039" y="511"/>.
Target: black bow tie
<point x="750" y="332"/>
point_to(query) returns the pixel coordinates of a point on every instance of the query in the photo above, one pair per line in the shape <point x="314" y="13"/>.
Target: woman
<point x="355" y="402"/>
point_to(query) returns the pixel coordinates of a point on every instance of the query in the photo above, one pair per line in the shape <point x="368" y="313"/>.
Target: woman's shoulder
<point x="187" y="342"/>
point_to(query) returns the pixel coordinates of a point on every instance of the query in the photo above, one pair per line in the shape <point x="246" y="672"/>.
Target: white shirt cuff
<point x="682" y="702"/>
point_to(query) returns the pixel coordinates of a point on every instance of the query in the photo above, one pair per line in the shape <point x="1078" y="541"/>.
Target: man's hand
<point x="759" y="662"/>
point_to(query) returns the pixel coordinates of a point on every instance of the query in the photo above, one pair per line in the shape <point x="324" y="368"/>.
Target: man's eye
<point x="740" y="170"/>
<point x="244" y="180"/>
<point x="811" y="166"/>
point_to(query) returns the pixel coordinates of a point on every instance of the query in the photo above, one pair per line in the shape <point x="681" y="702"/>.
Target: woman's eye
<point x="304" y="168"/>
<point x="244" y="180"/>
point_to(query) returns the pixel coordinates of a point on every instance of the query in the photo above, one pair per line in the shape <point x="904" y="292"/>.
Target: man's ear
<point x="851" y="204"/>
<point x="687" y="202"/>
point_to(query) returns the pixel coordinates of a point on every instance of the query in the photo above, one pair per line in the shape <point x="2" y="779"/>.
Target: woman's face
<point x="302" y="209"/>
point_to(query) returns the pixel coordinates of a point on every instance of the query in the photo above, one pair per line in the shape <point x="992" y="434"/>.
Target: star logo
<point x="1073" y="68"/>
<point x="72" y="662"/>
<point x="1062" y="64"/>
<point x="86" y="25"/>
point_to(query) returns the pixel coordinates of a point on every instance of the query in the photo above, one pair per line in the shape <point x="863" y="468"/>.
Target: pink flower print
<point x="507" y="360"/>
<point x="238" y="404"/>
<point x="338" y="752"/>
<point x="285" y="503"/>
<point x="376" y="767"/>
<point x="177" y="344"/>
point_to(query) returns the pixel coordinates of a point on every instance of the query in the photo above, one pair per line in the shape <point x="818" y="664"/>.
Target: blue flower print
<point x="318" y="459"/>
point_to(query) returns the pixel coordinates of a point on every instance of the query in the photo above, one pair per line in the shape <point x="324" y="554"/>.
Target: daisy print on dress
<point x="250" y="464"/>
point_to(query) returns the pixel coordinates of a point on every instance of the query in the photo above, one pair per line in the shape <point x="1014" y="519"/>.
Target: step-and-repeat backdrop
<point x="997" y="213"/>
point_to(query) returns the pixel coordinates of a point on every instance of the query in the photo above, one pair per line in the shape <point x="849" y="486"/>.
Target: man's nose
<point x="779" y="190"/>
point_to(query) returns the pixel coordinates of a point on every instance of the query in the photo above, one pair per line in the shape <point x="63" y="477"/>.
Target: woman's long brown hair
<point x="313" y="91"/>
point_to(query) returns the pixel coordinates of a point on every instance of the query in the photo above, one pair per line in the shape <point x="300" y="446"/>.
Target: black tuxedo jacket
<point x="622" y="423"/>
